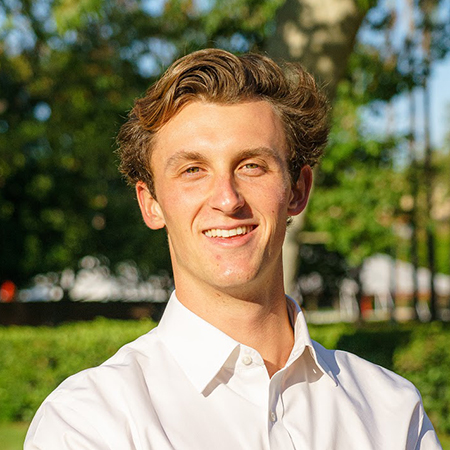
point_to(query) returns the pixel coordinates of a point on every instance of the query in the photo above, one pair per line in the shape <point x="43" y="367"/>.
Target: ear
<point x="300" y="192"/>
<point x="150" y="209"/>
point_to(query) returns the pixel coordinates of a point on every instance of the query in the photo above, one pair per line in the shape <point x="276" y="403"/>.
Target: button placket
<point x="279" y="437"/>
<point x="273" y="398"/>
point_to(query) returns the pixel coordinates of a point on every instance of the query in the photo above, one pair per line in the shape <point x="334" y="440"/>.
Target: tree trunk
<point x="320" y="35"/>
<point x="428" y="170"/>
<point x="413" y="168"/>
<point x="428" y="179"/>
<point x="414" y="183"/>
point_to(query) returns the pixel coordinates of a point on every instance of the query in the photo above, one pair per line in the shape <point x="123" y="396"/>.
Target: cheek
<point x="179" y="209"/>
<point x="280" y="200"/>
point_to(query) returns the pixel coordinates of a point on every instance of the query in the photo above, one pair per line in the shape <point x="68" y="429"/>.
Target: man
<point x="220" y="150"/>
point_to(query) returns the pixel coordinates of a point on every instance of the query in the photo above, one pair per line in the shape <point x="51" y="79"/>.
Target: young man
<point x="220" y="150"/>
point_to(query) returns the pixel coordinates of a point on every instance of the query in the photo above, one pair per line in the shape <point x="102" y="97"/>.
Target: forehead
<point x="218" y="130"/>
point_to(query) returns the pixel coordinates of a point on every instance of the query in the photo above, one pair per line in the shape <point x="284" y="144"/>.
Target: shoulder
<point x="380" y="401"/>
<point x="107" y="385"/>
<point x="359" y="377"/>
<point x="92" y="403"/>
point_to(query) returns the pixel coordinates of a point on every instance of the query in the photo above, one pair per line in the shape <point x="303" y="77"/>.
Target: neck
<point x="257" y="318"/>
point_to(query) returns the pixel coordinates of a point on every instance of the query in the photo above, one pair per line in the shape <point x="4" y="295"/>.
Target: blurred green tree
<point x="68" y="72"/>
<point x="356" y="48"/>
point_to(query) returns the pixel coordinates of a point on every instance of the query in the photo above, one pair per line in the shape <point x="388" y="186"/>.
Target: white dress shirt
<point x="187" y="386"/>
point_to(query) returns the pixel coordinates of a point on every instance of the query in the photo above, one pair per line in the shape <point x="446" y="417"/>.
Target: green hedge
<point x="33" y="361"/>
<point x="426" y="362"/>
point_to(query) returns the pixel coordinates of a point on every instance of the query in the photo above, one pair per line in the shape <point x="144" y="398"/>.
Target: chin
<point x="234" y="279"/>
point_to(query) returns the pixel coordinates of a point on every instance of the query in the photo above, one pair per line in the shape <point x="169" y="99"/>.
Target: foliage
<point x="68" y="72"/>
<point x="330" y="335"/>
<point x="441" y="208"/>
<point x="377" y="342"/>
<point x="357" y="187"/>
<point x="12" y="435"/>
<point x="426" y="362"/>
<point x="35" y="360"/>
<point x="364" y="174"/>
<point x="60" y="192"/>
<point x="332" y="267"/>
<point x="70" y="69"/>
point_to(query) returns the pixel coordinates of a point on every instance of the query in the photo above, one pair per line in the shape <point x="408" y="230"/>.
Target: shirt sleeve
<point x="428" y="439"/>
<point x="61" y="428"/>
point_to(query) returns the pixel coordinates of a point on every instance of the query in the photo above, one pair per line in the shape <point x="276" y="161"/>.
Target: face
<point x="223" y="193"/>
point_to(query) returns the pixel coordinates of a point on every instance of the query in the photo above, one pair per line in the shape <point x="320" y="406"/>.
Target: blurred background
<point x="371" y="254"/>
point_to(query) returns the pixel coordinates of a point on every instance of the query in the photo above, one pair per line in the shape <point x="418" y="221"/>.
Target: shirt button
<point x="273" y="416"/>
<point x="247" y="360"/>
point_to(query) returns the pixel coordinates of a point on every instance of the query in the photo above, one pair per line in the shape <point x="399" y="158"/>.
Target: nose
<point x="225" y="195"/>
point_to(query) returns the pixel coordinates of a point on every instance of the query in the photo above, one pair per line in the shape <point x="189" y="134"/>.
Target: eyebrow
<point x="260" y="151"/>
<point x="185" y="155"/>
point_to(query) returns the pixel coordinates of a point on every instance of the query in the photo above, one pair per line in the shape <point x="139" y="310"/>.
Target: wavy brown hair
<point x="217" y="76"/>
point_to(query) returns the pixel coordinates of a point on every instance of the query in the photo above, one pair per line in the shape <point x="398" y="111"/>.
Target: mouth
<point x="229" y="233"/>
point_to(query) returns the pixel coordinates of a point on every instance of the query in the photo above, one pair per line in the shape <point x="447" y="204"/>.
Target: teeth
<point x="217" y="232"/>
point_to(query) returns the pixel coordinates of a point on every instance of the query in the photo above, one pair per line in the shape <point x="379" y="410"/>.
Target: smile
<point x="239" y="231"/>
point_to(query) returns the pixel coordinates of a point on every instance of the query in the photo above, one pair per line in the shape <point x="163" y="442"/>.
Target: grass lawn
<point x="12" y="436"/>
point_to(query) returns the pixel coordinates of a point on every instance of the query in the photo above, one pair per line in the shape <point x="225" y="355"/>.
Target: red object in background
<point x="366" y="305"/>
<point x="7" y="291"/>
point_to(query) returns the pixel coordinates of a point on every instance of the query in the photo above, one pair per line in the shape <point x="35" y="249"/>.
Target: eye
<point x="192" y="172"/>
<point x="253" y="168"/>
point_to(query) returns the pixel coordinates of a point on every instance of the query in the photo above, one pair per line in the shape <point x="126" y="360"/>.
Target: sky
<point x="439" y="81"/>
<point x="439" y="85"/>
<point x="440" y="102"/>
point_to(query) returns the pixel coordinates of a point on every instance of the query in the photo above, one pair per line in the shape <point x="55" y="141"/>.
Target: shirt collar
<point x="303" y="339"/>
<point x="201" y="350"/>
